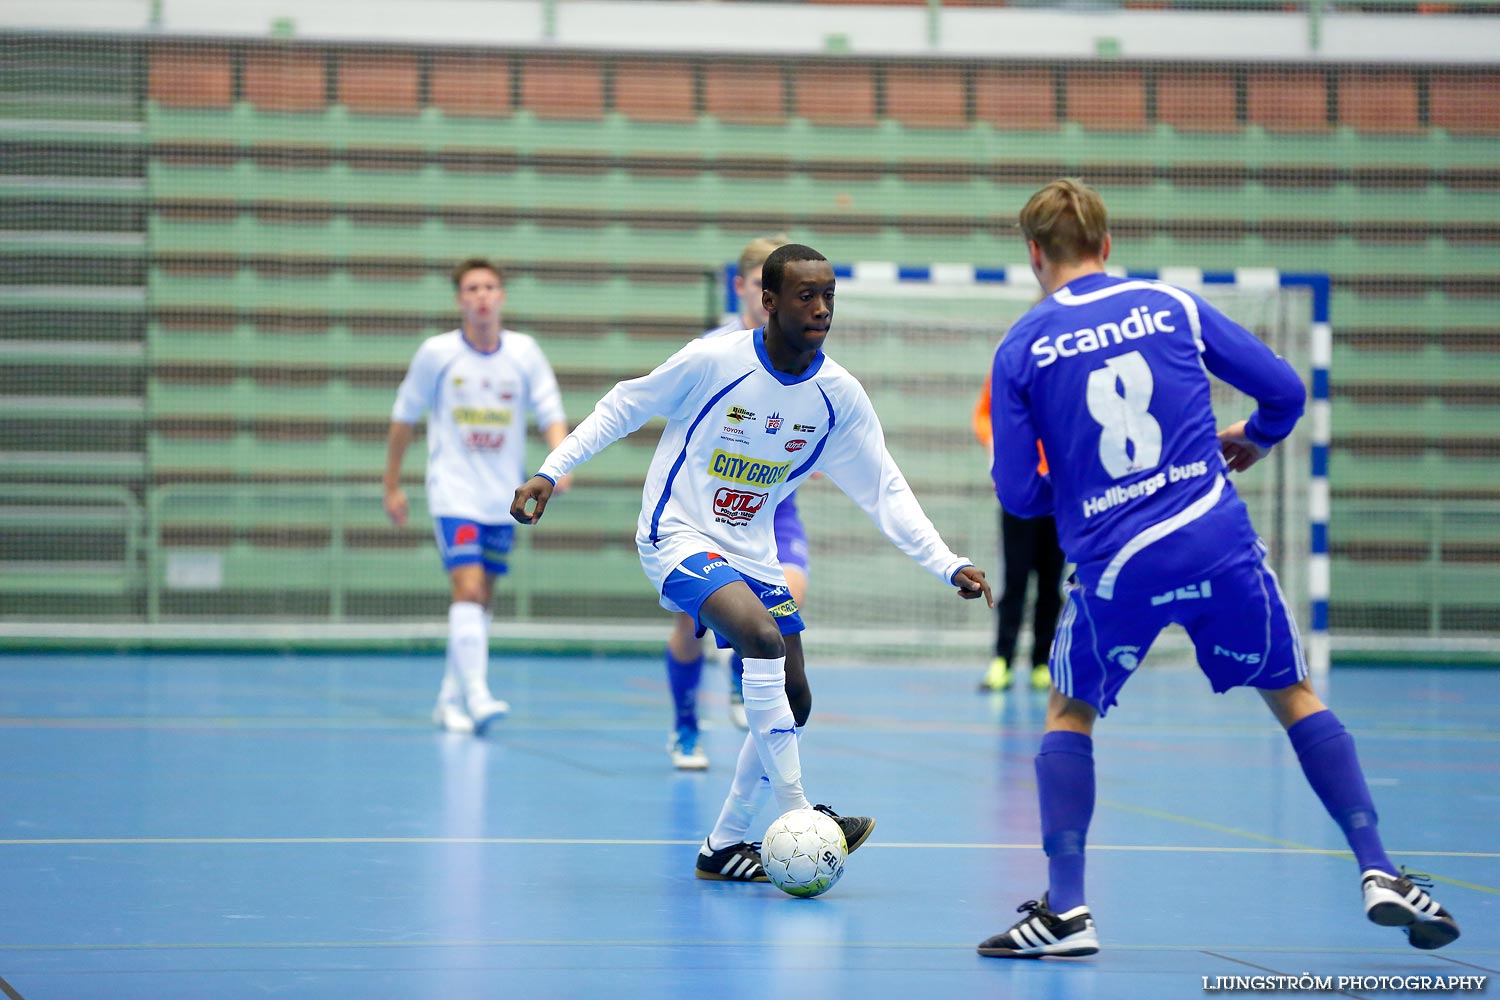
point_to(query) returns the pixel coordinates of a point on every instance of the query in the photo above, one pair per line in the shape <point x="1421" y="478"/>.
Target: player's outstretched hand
<point x="396" y="507"/>
<point x="971" y="583"/>
<point x="537" y="489"/>
<point x="1238" y="450"/>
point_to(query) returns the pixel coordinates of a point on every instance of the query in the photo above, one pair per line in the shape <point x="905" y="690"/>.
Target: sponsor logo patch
<point x="1128" y="657"/>
<point x="804" y="428"/>
<point x="1140" y="322"/>
<point x="1192" y="592"/>
<point x="796" y="444"/>
<point x="481" y="415"/>
<point x="466" y="534"/>
<point x="784" y="609"/>
<point x="484" y="440"/>
<point x="739" y="413"/>
<point x="749" y="471"/>
<point x="773" y="423"/>
<point x="737" y="506"/>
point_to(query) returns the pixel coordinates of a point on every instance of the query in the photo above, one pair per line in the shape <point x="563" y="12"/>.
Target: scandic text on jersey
<point x="750" y="471"/>
<point x="1140" y="322"/>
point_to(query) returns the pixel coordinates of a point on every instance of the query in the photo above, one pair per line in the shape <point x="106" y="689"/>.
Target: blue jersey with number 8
<point x="1111" y="374"/>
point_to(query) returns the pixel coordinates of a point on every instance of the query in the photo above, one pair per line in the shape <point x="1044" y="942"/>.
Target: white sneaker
<point x="1041" y="932"/>
<point x="485" y="709"/>
<point x="451" y="717"/>
<point x="1399" y="901"/>
<point x="685" y="752"/>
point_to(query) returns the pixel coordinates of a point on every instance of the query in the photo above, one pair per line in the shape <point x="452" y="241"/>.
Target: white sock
<point x="747" y="796"/>
<point x="744" y="799"/>
<point x="451" y="693"/>
<point x="774" y="729"/>
<point x="469" y="648"/>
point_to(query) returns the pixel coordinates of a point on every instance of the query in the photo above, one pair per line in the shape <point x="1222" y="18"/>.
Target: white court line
<point x="619" y="842"/>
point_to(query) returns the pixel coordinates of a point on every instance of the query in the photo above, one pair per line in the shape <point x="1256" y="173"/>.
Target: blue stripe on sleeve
<point x="666" y="492"/>
<point x="819" y="449"/>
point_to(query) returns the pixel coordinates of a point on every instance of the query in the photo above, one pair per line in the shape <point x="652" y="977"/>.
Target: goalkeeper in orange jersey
<point x="1028" y="547"/>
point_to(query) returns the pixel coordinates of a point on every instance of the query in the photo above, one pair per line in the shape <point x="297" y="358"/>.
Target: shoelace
<point x="1421" y="880"/>
<point x="1030" y="906"/>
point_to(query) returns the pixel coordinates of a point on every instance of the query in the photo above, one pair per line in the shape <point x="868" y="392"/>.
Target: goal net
<point x="921" y="341"/>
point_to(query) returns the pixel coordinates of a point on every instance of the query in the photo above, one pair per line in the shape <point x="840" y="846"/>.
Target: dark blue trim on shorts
<point x="488" y="547"/>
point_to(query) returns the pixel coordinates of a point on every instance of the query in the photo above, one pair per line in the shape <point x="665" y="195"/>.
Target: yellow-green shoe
<point x="1041" y="677"/>
<point x="997" y="677"/>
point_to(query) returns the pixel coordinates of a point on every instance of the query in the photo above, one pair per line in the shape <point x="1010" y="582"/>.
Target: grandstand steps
<point x="73" y="292"/>
<point x="216" y="260"/>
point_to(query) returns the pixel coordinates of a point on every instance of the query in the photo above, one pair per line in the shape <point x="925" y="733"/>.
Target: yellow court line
<point x="1292" y="845"/>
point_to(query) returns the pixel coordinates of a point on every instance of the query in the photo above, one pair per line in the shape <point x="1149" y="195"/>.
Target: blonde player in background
<point x="477" y="384"/>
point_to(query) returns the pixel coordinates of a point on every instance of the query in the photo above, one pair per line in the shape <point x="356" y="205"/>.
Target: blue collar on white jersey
<point x="783" y="377"/>
<point x="470" y="345"/>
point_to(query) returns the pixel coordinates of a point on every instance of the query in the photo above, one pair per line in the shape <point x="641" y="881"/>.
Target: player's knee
<point x="762" y="642"/>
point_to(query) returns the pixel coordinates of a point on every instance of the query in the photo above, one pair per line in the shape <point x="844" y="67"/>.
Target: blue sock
<point x="1326" y="751"/>
<point x="1065" y="786"/>
<point x="683" y="676"/>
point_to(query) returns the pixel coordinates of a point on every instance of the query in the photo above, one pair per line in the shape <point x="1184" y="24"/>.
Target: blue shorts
<point x="462" y="542"/>
<point x="791" y="537"/>
<point x="698" y="576"/>
<point x="1241" y="628"/>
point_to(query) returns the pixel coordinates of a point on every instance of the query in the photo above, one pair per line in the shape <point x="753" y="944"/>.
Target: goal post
<point x="921" y="338"/>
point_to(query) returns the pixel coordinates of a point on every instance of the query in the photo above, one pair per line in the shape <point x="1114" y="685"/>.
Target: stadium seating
<point x="301" y="204"/>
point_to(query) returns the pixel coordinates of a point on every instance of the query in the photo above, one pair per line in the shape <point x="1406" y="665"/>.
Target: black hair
<point x="770" y="274"/>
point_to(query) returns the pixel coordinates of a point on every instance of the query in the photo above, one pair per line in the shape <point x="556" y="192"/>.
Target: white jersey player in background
<point x="750" y="416"/>
<point x="477" y="384"/>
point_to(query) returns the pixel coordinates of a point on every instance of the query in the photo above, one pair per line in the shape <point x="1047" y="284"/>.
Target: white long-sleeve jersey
<point x="477" y="404"/>
<point x="740" y="437"/>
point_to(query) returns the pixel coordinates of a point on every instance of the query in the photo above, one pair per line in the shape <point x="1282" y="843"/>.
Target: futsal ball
<point x="803" y="852"/>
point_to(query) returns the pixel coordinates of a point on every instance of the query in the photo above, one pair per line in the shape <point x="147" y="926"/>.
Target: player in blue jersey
<point x="750" y="416"/>
<point x="1109" y="373"/>
<point x="684" y="654"/>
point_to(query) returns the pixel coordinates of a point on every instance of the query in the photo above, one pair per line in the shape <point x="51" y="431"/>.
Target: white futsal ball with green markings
<point x="803" y="852"/>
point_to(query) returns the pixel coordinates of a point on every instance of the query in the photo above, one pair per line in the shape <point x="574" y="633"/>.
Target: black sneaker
<point x="857" y="829"/>
<point x="1042" y="932"/>
<point x="1399" y="901"/>
<point x="735" y="863"/>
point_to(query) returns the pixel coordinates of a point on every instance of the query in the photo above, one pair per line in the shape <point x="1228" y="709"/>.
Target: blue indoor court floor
<point x="226" y="826"/>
